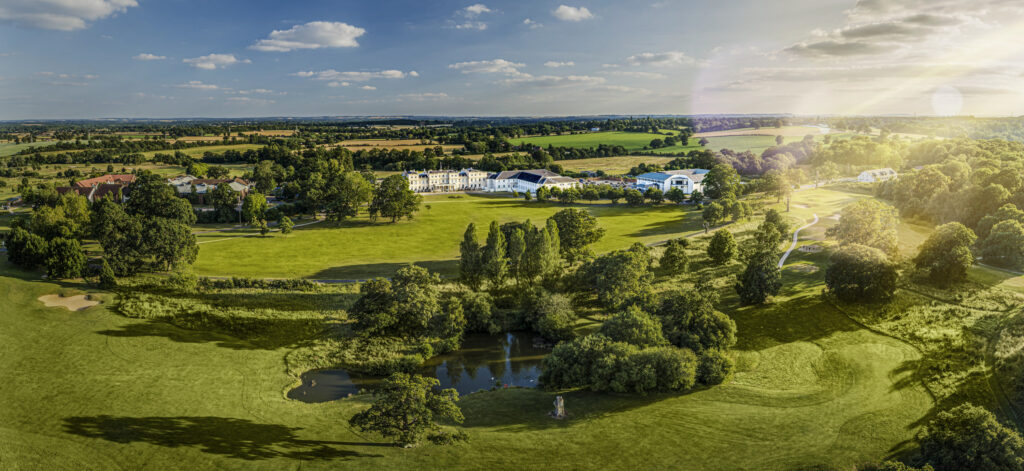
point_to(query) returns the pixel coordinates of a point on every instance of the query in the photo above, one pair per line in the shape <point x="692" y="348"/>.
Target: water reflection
<point x="483" y="362"/>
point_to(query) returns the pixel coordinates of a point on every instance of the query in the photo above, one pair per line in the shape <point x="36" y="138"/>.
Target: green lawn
<point x="612" y="165"/>
<point x="358" y="249"/>
<point x="10" y="148"/>
<point x="199" y="151"/>
<point x="629" y="140"/>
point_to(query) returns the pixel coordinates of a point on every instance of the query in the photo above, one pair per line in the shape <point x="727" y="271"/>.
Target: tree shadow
<point x="234" y="438"/>
<point x="155" y="328"/>
<point x="385" y="270"/>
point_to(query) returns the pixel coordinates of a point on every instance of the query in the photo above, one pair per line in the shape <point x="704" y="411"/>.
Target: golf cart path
<point x="796" y="235"/>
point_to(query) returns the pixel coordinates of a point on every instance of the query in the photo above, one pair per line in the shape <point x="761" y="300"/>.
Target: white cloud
<point x="338" y="84"/>
<point x="255" y="91"/>
<point x="661" y="59"/>
<point x="413" y="73"/>
<point x="496" y="66"/>
<point x="556" y="64"/>
<point x="549" y="81"/>
<point x="61" y="15"/>
<point x="145" y="56"/>
<point x="476" y="10"/>
<point x="368" y="87"/>
<point x="477" y="25"/>
<point x="567" y="13"/>
<point x="424" y="96"/>
<point x="312" y="35"/>
<point x="637" y="74"/>
<point x="214" y="61"/>
<point x="532" y="24"/>
<point x="197" y="85"/>
<point x="248" y="100"/>
<point x="334" y="75"/>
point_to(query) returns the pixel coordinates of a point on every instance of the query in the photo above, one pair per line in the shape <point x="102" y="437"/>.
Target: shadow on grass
<point x="386" y="270"/>
<point x="234" y="438"/>
<point x="156" y="328"/>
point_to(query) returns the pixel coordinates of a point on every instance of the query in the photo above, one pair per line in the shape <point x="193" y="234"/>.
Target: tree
<point x="408" y="409"/>
<point x="689" y="320"/>
<point x="697" y="197"/>
<point x="703" y="142"/>
<point x="779" y="140"/>
<point x="713" y="214"/>
<point x="25" y="249"/>
<point x="224" y="200"/>
<point x="543" y="194"/>
<point x="553" y="316"/>
<point x="265" y="175"/>
<point x="760" y="279"/>
<point x="286" y="225"/>
<point x="676" y="195"/>
<point x="541" y="258"/>
<point x="776" y="219"/>
<point x="826" y="172"/>
<point x="393" y="199"/>
<point x="722" y="247"/>
<point x="495" y="260"/>
<point x="720" y="181"/>
<point x="471" y="259"/>
<point x="591" y="194"/>
<point x="577" y="229"/>
<point x="254" y="207"/>
<point x="674" y="260"/>
<point x="516" y="252"/>
<point x="867" y="222"/>
<point x="569" y="196"/>
<point x="402" y="306"/>
<point x="970" y="437"/>
<point x="615" y="194"/>
<point x="107" y="278"/>
<point x="633" y="197"/>
<point x="635" y="327"/>
<point x="1004" y="245"/>
<point x="654" y="195"/>
<point x="861" y="273"/>
<point x="620" y="277"/>
<point x="263" y="227"/>
<point x="346" y="194"/>
<point x="64" y="259"/>
<point x="946" y="254"/>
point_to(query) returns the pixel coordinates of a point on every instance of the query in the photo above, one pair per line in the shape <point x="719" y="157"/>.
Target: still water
<point x="483" y="362"/>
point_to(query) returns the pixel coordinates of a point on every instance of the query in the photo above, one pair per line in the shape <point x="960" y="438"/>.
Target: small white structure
<point x="876" y="175"/>
<point x="595" y="129"/>
<point x="184" y="184"/>
<point x="528" y="181"/>
<point x="688" y="180"/>
<point x="446" y="180"/>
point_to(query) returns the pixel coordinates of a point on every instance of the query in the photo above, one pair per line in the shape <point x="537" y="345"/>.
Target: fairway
<point x="359" y="249"/>
<point x="811" y="388"/>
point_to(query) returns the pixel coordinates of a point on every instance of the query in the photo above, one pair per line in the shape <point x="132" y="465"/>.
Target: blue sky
<point x="226" y="58"/>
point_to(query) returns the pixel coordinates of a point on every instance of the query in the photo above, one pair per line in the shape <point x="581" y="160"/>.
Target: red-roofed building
<point x="122" y="180"/>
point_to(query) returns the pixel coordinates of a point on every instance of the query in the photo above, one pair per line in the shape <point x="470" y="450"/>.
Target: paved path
<point x="796" y="234"/>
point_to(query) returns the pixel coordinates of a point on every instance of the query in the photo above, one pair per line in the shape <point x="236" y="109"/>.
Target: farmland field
<point x="612" y="165"/>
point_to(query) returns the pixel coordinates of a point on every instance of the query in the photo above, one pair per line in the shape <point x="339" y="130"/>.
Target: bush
<point x="107" y="278"/>
<point x="690" y="320"/>
<point x="479" y="311"/>
<point x="183" y="280"/>
<point x="946" y="255"/>
<point x="714" y="367"/>
<point x="861" y="273"/>
<point x="674" y="260"/>
<point x="601" y="364"/>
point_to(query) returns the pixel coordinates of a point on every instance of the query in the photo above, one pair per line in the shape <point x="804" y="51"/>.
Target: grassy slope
<point x="359" y="249"/>
<point x="97" y="390"/>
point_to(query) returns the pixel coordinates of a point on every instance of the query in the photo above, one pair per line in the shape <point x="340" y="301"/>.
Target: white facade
<point x="876" y="175"/>
<point x="689" y="180"/>
<point x="528" y="181"/>
<point x="446" y="180"/>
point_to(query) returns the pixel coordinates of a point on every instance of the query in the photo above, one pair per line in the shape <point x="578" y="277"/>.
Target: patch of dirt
<point x="72" y="303"/>
<point x="801" y="206"/>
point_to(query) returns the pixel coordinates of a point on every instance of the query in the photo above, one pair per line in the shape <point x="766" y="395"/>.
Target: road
<point x="796" y="235"/>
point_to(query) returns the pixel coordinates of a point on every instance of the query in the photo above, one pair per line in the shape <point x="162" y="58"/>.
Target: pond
<point x="483" y="362"/>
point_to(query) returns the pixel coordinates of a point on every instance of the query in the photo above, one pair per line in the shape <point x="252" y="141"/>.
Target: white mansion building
<point x="446" y="180"/>
<point x="469" y="179"/>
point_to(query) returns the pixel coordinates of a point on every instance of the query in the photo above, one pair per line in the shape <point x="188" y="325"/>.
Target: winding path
<point x="796" y="234"/>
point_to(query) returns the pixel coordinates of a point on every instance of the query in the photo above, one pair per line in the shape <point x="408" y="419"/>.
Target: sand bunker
<point x="72" y="303"/>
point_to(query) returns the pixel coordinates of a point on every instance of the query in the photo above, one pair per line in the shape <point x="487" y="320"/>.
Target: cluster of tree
<point x="724" y="123"/>
<point x="862" y="151"/>
<point x="516" y="251"/>
<point x="50" y="238"/>
<point x="679" y="342"/>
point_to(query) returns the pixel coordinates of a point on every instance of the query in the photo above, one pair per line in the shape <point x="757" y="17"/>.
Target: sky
<point x="69" y="59"/>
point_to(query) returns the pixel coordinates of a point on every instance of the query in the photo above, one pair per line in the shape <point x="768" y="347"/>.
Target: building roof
<point x="694" y="174"/>
<point x="83" y="191"/>
<point x="91" y="182"/>
<point x="107" y="189"/>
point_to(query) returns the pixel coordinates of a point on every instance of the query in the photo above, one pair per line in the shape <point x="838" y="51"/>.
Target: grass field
<point x="10" y="148"/>
<point x="629" y="140"/>
<point x="612" y="165"/>
<point x="358" y="249"/>
<point x="812" y="388"/>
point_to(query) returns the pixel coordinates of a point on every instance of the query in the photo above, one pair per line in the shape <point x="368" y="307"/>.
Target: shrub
<point x="107" y="278"/>
<point x="601" y="364"/>
<point x="714" y="367"/>
<point x="553" y="316"/>
<point x="479" y="311"/>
